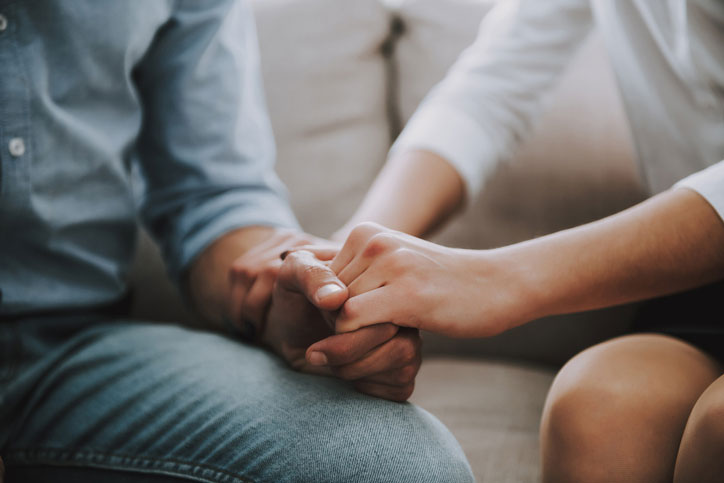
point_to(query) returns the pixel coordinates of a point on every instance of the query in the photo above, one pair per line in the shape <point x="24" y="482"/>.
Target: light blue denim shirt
<point x="93" y="93"/>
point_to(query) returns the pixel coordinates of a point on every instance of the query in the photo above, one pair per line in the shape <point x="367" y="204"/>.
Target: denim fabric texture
<point x="164" y="96"/>
<point x="149" y="399"/>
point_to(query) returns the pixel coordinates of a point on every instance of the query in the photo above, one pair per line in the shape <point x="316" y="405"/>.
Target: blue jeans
<point x="85" y="399"/>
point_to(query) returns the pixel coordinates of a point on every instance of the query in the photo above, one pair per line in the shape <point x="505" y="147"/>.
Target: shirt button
<point x="3" y="22"/>
<point x="16" y="146"/>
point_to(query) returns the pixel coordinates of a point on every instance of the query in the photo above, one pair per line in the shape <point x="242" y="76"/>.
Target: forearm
<point x="672" y="242"/>
<point x="208" y="282"/>
<point x="415" y="192"/>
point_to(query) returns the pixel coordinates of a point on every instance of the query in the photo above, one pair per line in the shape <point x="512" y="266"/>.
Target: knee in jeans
<point x="407" y="445"/>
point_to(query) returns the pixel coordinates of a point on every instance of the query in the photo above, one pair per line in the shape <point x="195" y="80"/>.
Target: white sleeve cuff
<point x="709" y="183"/>
<point x="452" y="134"/>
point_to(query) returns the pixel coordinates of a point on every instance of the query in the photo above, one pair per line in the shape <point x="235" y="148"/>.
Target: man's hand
<point x="252" y="276"/>
<point x="382" y="360"/>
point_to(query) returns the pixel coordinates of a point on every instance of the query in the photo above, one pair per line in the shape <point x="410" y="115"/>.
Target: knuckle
<point x="403" y="259"/>
<point x="340" y="351"/>
<point x="364" y="230"/>
<point x="380" y="243"/>
<point x="398" y="394"/>
<point x="406" y="374"/>
<point x="271" y="270"/>
<point x="349" y="310"/>
<point x="405" y="393"/>
<point x="406" y="351"/>
<point x="241" y="270"/>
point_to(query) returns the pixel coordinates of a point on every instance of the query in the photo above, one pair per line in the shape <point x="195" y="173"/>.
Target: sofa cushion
<point x="325" y="81"/>
<point x="432" y="34"/>
<point x="492" y="408"/>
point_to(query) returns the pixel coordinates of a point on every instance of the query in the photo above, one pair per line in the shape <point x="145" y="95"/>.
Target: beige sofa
<point x="341" y="77"/>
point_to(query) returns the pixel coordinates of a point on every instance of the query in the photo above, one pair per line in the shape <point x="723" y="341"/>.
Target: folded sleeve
<point x="486" y="104"/>
<point x="205" y="150"/>
<point x="709" y="183"/>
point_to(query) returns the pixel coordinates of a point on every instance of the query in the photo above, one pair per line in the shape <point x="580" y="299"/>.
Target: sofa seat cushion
<point x="493" y="409"/>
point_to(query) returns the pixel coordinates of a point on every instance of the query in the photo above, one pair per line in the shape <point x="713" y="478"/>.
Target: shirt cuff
<point x="452" y="134"/>
<point x="200" y="227"/>
<point x="709" y="183"/>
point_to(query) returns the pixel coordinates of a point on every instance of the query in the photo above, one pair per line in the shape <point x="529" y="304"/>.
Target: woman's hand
<point x="394" y="277"/>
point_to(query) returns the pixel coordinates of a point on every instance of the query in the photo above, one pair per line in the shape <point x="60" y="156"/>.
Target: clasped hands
<point x="294" y="303"/>
<point x="355" y="312"/>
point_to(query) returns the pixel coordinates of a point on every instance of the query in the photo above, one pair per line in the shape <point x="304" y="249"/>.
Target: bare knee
<point x="707" y="419"/>
<point x="586" y="404"/>
<point x="600" y="410"/>
<point x="702" y="445"/>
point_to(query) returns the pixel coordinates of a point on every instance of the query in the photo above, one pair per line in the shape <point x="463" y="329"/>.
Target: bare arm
<point x="670" y="243"/>
<point x="415" y="192"/>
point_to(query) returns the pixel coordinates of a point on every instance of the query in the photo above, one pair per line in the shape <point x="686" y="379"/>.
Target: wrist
<point x="535" y="278"/>
<point x="517" y="282"/>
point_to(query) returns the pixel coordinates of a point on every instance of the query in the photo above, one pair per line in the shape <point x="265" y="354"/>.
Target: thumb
<point x="304" y="273"/>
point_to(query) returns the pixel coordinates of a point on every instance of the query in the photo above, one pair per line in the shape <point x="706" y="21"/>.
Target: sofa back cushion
<point x="326" y="87"/>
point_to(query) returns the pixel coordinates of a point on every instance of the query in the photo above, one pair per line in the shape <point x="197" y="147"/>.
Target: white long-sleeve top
<point x="668" y="56"/>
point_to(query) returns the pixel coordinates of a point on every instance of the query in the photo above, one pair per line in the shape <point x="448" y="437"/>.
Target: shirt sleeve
<point x="478" y="114"/>
<point x="709" y="183"/>
<point x="206" y="149"/>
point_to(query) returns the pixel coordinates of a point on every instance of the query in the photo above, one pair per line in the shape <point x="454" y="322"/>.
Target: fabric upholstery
<point x="325" y="81"/>
<point x="493" y="409"/>
<point x="432" y="34"/>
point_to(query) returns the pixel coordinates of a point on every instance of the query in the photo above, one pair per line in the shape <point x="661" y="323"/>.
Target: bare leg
<point x="617" y="411"/>
<point x="701" y="454"/>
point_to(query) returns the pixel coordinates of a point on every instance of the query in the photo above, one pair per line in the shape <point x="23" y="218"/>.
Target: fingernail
<point x="327" y="290"/>
<point x="317" y="359"/>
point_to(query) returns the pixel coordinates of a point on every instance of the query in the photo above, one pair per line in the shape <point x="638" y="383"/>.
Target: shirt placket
<point x="14" y="128"/>
<point x="14" y="117"/>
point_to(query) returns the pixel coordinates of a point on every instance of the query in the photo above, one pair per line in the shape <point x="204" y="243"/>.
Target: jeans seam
<point x="137" y="463"/>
